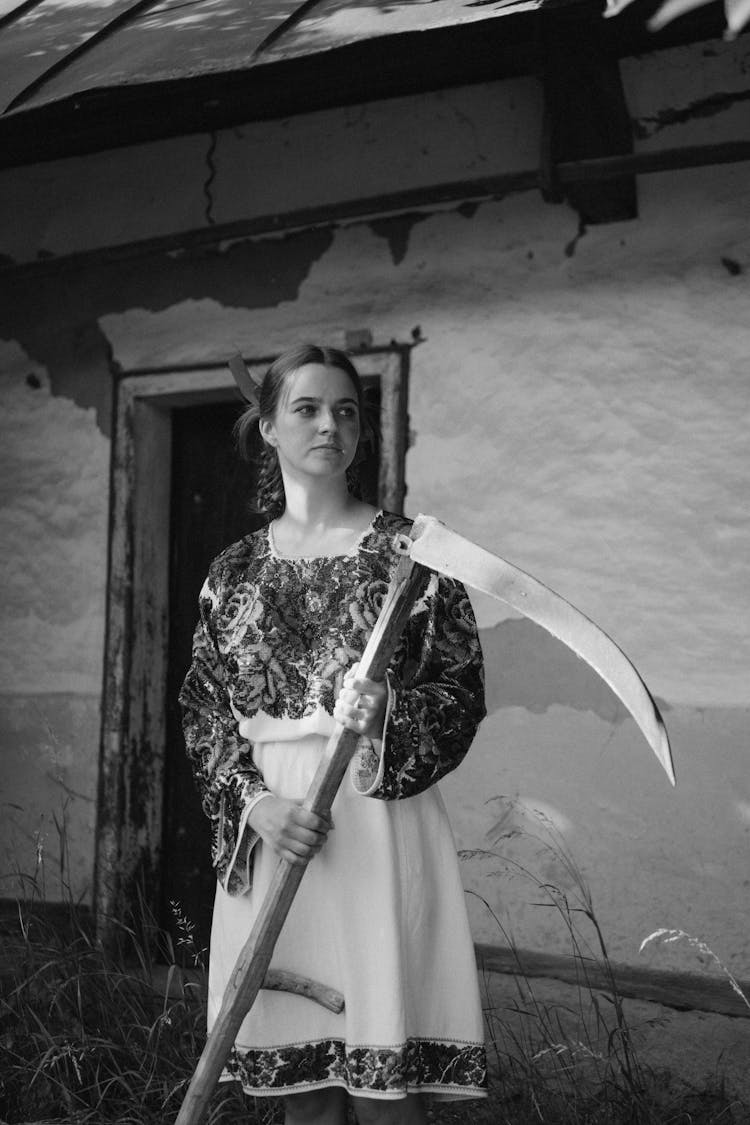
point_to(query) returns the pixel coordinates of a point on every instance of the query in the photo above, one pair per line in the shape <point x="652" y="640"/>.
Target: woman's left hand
<point x="361" y="704"/>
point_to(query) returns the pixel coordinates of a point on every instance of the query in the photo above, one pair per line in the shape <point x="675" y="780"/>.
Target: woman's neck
<point x="321" y="520"/>
<point x="326" y="506"/>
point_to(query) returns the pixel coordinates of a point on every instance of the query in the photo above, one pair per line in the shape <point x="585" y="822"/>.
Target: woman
<point x="380" y="914"/>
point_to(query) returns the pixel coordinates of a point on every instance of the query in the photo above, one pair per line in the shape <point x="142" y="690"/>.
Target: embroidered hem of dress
<point x="437" y="1093"/>
<point x="441" y="1067"/>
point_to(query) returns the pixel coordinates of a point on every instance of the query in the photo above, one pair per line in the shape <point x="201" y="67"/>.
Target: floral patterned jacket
<point x="276" y="634"/>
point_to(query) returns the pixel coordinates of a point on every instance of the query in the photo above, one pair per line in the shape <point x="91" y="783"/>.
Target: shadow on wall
<point x="527" y="667"/>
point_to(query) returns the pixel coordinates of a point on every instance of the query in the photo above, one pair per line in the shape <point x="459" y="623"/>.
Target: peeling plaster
<point x="396" y="232"/>
<point x="644" y="127"/>
<point x="236" y="275"/>
<point x="79" y="364"/>
<point x="572" y="246"/>
<point x="71" y="348"/>
<point x="55" y="319"/>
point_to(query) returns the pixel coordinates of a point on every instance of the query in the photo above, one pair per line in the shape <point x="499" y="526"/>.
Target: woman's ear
<point x="267" y="431"/>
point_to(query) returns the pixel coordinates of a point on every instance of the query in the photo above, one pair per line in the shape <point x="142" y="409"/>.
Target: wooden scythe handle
<point x="253" y="961"/>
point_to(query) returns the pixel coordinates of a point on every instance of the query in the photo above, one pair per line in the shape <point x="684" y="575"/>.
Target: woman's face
<point x="316" y="427"/>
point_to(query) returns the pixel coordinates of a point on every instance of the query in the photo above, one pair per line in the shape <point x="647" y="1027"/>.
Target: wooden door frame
<point x="133" y="737"/>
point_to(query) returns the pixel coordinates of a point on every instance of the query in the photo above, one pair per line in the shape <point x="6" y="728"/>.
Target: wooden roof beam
<point x="585" y="117"/>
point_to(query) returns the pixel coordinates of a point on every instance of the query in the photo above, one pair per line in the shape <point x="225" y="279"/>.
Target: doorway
<point x="212" y="490"/>
<point x="179" y="495"/>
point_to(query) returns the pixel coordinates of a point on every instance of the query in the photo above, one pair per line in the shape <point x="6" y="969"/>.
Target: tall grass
<point x="572" y="1059"/>
<point x="669" y="937"/>
<point x="89" y="1034"/>
<point x="97" y="1035"/>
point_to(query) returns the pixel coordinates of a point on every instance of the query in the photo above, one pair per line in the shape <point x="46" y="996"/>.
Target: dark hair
<point x="271" y="498"/>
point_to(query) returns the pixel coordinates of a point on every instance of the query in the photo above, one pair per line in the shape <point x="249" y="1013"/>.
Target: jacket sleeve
<point x="435" y="698"/>
<point x="228" y="781"/>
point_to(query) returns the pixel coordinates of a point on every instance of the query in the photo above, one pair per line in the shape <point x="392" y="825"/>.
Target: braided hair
<point x="271" y="500"/>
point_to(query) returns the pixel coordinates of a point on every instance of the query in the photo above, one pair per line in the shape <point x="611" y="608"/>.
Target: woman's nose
<point x="327" y="421"/>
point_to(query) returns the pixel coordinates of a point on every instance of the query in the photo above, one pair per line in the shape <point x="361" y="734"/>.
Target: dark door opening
<point x="211" y="493"/>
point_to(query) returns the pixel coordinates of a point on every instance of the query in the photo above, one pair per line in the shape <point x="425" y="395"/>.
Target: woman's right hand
<point x="294" y="833"/>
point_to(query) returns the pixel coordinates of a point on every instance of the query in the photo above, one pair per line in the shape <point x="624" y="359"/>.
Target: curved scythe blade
<point x="437" y="547"/>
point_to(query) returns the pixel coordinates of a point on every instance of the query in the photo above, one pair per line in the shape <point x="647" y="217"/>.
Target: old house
<point x="531" y="226"/>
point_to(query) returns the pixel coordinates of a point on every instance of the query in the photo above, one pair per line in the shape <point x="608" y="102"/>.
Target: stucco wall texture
<point x="54" y="467"/>
<point x="579" y="406"/>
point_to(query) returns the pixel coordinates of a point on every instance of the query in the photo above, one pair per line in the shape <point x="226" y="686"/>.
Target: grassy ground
<point x="97" y="1036"/>
<point x="90" y="1036"/>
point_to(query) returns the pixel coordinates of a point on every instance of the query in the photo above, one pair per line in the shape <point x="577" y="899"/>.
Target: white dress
<point x="380" y="913"/>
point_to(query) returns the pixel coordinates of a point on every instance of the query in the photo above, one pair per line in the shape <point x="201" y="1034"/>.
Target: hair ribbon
<point x="249" y="387"/>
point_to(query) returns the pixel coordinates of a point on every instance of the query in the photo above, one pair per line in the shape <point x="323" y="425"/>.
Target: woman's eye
<point x="347" y="411"/>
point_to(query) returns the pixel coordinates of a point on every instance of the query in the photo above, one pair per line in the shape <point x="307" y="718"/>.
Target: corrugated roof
<point x="78" y="76"/>
<point x="51" y="50"/>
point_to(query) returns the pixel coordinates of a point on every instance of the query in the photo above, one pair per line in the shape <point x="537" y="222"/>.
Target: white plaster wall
<point x="53" y="527"/>
<point x="53" y="463"/>
<point x="543" y="793"/>
<point x="584" y="416"/>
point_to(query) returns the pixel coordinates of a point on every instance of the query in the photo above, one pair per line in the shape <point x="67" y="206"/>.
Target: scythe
<point x="430" y="546"/>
